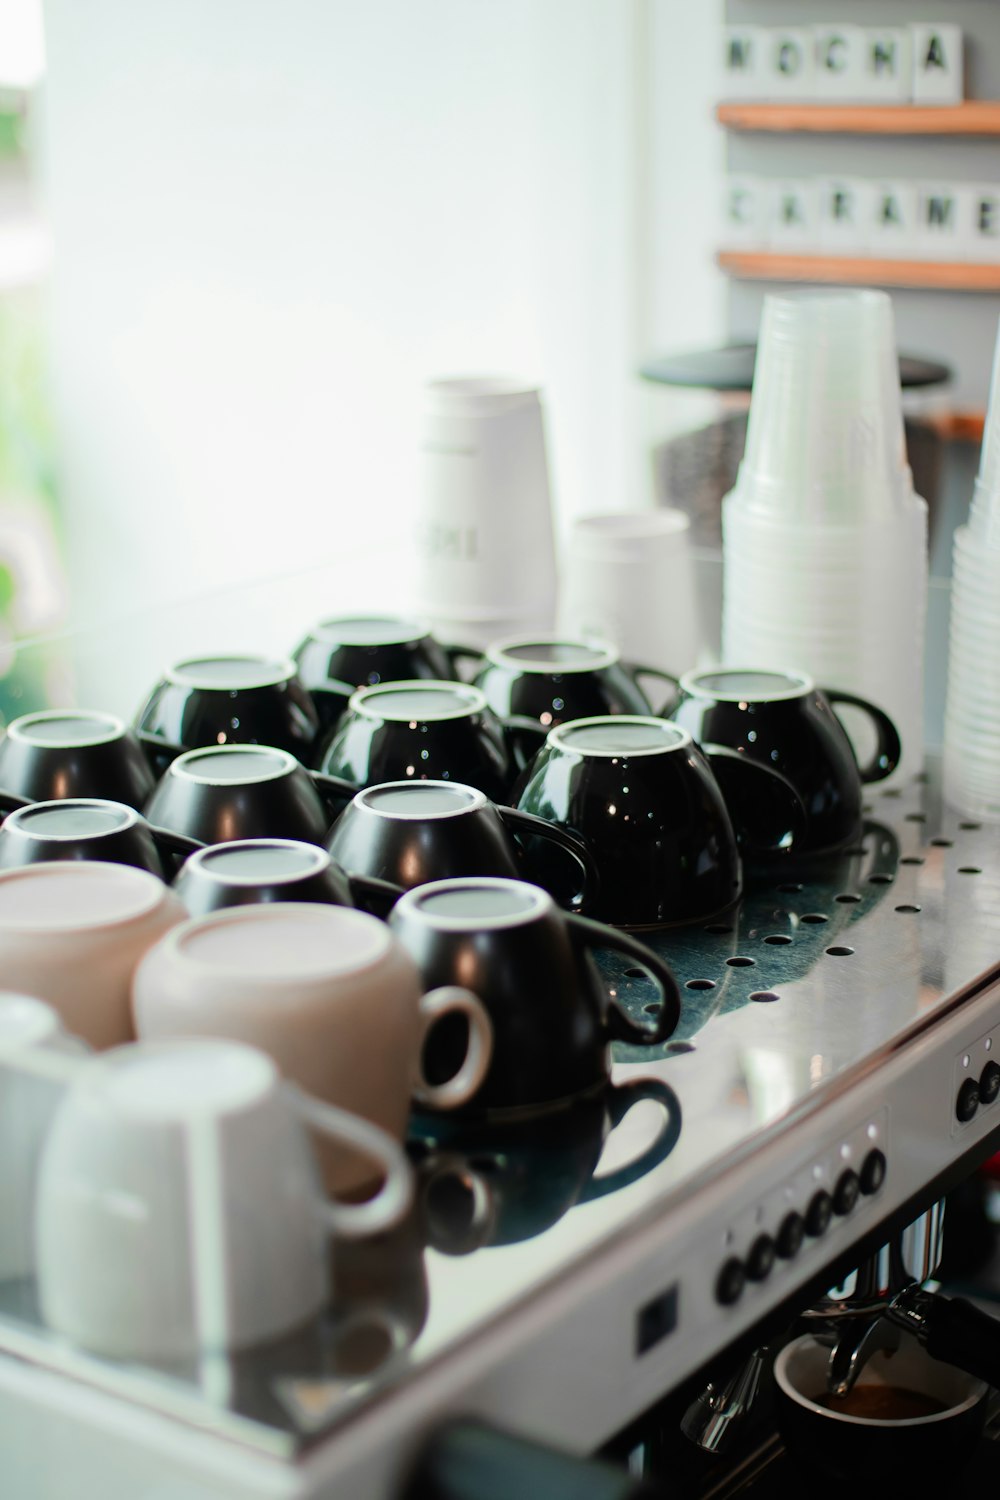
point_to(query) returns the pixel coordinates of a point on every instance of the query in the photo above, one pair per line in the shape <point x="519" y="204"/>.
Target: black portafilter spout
<point x="470" y="1460"/>
<point x="950" y="1329"/>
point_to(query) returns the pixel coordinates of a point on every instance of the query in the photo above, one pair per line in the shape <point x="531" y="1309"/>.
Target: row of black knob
<point x="977" y="1091"/>
<point x="786" y="1244"/>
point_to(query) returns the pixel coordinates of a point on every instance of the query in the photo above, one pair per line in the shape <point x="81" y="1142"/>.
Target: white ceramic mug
<point x="330" y="994"/>
<point x="37" y="1058"/>
<point x="72" y="934"/>
<point x="180" y="1208"/>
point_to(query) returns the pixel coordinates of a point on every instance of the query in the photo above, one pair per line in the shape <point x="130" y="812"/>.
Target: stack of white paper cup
<point x="628" y="577"/>
<point x="485" y="549"/>
<point x="824" y="539"/>
<point x="972" y="709"/>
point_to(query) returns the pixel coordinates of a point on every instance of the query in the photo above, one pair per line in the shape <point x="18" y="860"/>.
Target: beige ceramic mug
<point x="330" y="994"/>
<point x="72" y="934"/>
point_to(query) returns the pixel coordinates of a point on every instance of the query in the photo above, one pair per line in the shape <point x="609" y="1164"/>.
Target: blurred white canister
<point x="484" y="535"/>
<point x="628" y="577"/>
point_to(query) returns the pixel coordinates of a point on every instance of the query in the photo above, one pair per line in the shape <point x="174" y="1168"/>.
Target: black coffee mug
<point x="412" y="832"/>
<point x="481" y="1184"/>
<point x="228" y="792"/>
<point x="89" y="828"/>
<point x="422" y="731"/>
<point x="782" y="720"/>
<point x="552" y="679"/>
<point x="531" y="966"/>
<point x="248" y="871"/>
<point x="647" y="802"/>
<point x="70" y="752"/>
<point x="347" y="652"/>
<point x="227" y="700"/>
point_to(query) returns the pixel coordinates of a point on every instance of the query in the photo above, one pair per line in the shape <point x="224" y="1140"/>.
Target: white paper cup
<point x="484" y="523"/>
<point x="628" y="577"/>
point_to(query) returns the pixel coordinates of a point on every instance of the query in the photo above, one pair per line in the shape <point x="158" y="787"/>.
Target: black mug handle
<point x="620" y="1026"/>
<point x="638" y="669"/>
<point x="375" y="896"/>
<point x="767" y="813"/>
<point x="620" y="1100"/>
<point x="525" y="737"/>
<point x="173" y="848"/>
<point x="888" y="747"/>
<point x="527" y="825"/>
<point x="160" y="753"/>
<point x="335" y="791"/>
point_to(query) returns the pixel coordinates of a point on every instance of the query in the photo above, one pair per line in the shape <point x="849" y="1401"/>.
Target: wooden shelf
<point x="974" y="117"/>
<point x="957" y="426"/>
<point x="958" y="276"/>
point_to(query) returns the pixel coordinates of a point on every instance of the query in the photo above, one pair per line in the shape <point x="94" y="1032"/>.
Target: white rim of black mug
<point x="603" y="654"/>
<point x="679" y="738"/>
<point x="275" y="671"/>
<point x="20" y="728"/>
<point x="201" y="859"/>
<point x="538" y="903"/>
<point x="889" y="1424"/>
<point x="473" y="700"/>
<point x="473" y="800"/>
<point x="260" y="914"/>
<point x="406" y="630"/>
<point x="127" y="818"/>
<point x="283" y="762"/>
<point x="800" y="684"/>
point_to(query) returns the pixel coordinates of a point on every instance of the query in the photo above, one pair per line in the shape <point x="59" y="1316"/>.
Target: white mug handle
<point x="392" y="1201"/>
<point x="457" y="1090"/>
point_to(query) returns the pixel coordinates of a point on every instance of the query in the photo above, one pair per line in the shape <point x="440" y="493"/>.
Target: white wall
<point x="272" y="222"/>
<point x="686" y="297"/>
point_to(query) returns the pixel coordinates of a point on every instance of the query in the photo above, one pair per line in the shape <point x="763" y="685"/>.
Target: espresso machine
<point x="831" y="1078"/>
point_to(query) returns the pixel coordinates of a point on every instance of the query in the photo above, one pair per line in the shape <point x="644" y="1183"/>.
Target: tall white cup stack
<point x="972" y="706"/>
<point x="824" y="539"/>
<point x="485" y="550"/>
